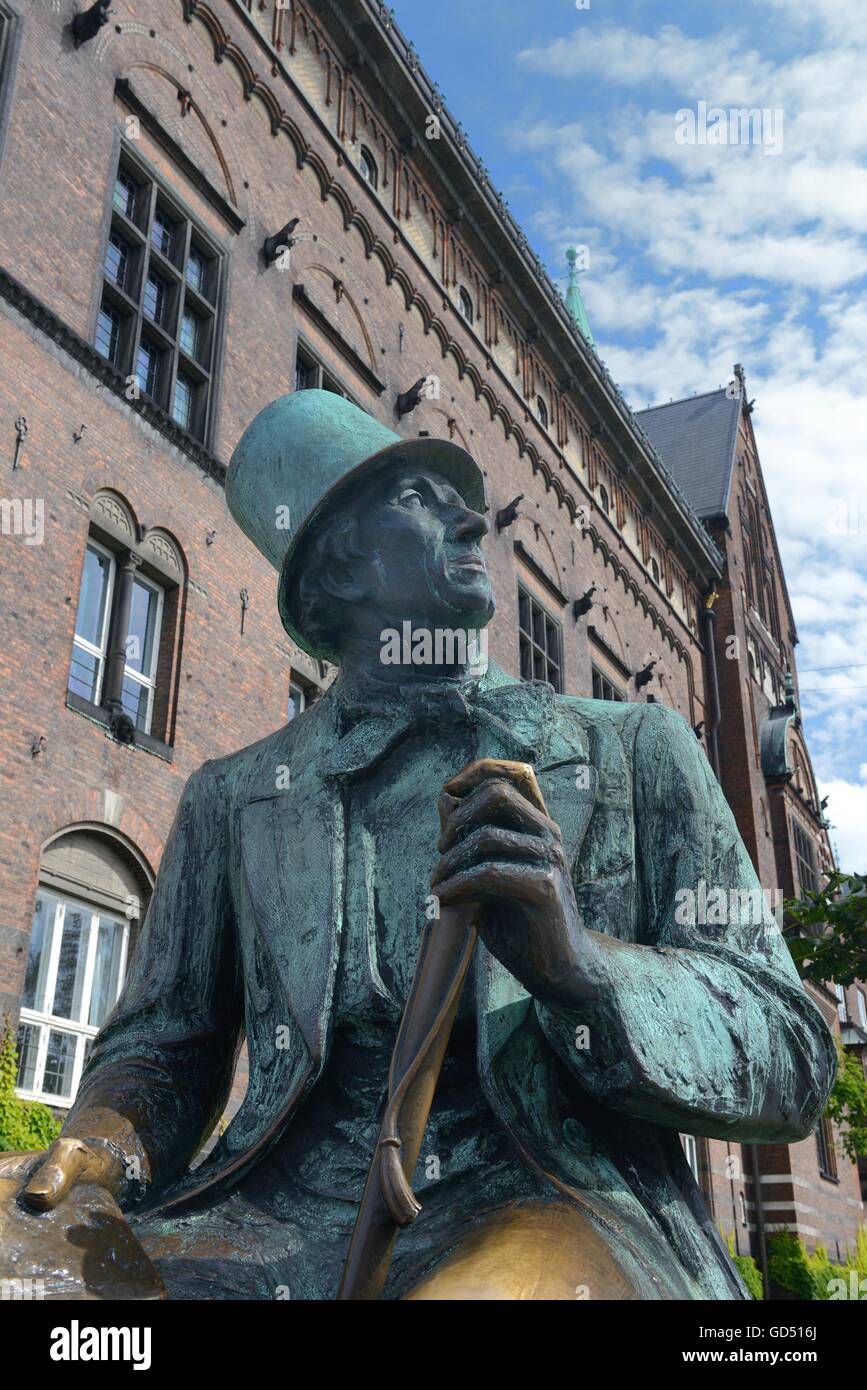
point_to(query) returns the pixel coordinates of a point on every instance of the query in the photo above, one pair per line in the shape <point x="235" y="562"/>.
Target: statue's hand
<point x="63" y="1233"/>
<point x="67" y="1162"/>
<point x="500" y="849"/>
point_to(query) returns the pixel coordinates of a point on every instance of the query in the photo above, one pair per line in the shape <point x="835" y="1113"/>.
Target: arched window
<point x="93" y="891"/>
<point x="368" y="168"/>
<point x="466" y="304"/>
<point x="603" y="499"/>
<point x="542" y="412"/>
<point x="129" y="602"/>
<point x="654" y="570"/>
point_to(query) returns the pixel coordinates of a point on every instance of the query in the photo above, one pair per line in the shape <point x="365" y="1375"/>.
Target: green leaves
<point x="24" y="1124"/>
<point x="827" y="931"/>
<point x="847" y="1104"/>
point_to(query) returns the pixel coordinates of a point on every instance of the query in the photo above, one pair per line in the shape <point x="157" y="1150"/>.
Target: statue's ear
<point x="342" y="582"/>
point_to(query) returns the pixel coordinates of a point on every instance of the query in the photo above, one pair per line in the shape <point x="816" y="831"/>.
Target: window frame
<point x="689" y="1144"/>
<point x="149" y="682"/>
<point x="466" y="306"/>
<point x="151" y="578"/>
<point x="525" y="636"/>
<point x="826" y="1152"/>
<point x="802" y="862"/>
<point x="10" y="34"/>
<point x="82" y="642"/>
<point x="307" y="356"/>
<point x="302" y="691"/>
<point x="598" y="680"/>
<point x="154" y="197"/>
<point x="368" y="167"/>
<point x="48" y="1023"/>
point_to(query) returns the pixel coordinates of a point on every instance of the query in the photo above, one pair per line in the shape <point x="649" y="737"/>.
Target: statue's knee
<point x="545" y="1252"/>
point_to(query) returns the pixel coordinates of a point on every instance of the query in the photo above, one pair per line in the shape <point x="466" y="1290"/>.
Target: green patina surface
<point x="287" y="912"/>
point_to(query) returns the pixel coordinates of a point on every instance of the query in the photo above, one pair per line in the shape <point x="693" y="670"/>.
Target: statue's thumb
<point x="67" y="1160"/>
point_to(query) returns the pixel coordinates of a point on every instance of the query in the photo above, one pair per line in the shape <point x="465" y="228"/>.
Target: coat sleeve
<point x="703" y="1024"/>
<point x="161" y="1067"/>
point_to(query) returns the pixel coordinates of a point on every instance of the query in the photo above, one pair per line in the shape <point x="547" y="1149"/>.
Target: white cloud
<point x="847" y="812"/>
<point x="703" y="256"/>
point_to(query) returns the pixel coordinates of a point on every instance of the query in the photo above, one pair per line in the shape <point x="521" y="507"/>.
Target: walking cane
<point x="446" y="950"/>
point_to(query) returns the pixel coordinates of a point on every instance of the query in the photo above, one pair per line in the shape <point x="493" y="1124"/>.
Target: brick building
<point x="764" y="767"/>
<point x="145" y="320"/>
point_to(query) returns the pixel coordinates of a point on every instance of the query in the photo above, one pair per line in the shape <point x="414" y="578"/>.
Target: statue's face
<point x="424" y="556"/>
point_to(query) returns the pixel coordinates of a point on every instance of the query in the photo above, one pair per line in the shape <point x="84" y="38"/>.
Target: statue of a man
<point x="603" y="1014"/>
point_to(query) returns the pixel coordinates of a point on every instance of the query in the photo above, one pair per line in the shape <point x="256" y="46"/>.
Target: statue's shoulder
<point x="616" y="727"/>
<point x="236" y="776"/>
<point x="605" y="714"/>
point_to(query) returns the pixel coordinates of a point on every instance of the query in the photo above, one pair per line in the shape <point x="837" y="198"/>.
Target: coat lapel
<point x="557" y="748"/>
<point x="292" y="848"/>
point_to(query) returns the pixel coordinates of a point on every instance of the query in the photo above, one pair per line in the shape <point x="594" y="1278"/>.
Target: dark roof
<point x="697" y="439"/>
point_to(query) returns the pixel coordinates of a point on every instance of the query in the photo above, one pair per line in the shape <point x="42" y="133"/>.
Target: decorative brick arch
<point x="98" y="808"/>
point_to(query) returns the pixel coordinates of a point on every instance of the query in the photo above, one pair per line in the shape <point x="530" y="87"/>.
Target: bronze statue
<point x="542" y="1074"/>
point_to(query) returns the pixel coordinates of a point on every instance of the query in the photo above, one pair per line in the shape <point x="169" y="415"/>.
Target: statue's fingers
<point x="445" y="806"/>
<point x="491" y="842"/>
<point x="530" y="884"/>
<point x="496" y="802"/>
<point x="521" y="776"/>
<point x="67" y="1161"/>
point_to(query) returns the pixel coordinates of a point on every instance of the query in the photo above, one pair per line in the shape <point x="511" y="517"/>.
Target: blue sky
<point x="703" y="256"/>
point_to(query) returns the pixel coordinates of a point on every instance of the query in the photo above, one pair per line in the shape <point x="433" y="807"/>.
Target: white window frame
<point x="842" y="1008"/>
<point x="295" y="687"/>
<point x="81" y="642"/>
<point x="53" y="1023"/>
<point x="149" y="680"/>
<point x="689" y="1144"/>
<point x="862" y="1007"/>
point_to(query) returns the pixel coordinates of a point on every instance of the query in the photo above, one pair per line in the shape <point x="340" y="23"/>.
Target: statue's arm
<point x="161" y="1068"/>
<point x="706" y="1028"/>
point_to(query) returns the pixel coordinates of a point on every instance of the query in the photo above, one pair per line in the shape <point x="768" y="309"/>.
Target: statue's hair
<point x="319" y="613"/>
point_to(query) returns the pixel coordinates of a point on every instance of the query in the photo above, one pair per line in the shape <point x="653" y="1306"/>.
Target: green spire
<point x="574" y="302"/>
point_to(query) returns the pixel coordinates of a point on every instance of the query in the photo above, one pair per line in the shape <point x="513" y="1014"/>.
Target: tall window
<point x="825" y="1151"/>
<point x="861" y="1001"/>
<point x="604" y="689"/>
<point x="74" y="974"/>
<point x="158" y="317"/>
<point x="297" y="700"/>
<point x="603" y="499"/>
<point x="690" y="1148"/>
<point x="539" y="642"/>
<point x="842" y="1008"/>
<point x="542" y="412"/>
<point x="367" y="165"/>
<point x="93" y="628"/>
<point x="805" y="858"/>
<point x="312" y="374"/>
<point x="466" y="304"/>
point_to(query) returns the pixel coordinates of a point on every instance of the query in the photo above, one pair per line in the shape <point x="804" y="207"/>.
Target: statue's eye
<point x="411" y="497"/>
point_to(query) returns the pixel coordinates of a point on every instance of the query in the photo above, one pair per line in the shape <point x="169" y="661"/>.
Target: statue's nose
<point x="471" y="526"/>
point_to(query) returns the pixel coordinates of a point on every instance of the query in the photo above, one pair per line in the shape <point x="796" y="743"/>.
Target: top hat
<point x="304" y="456"/>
